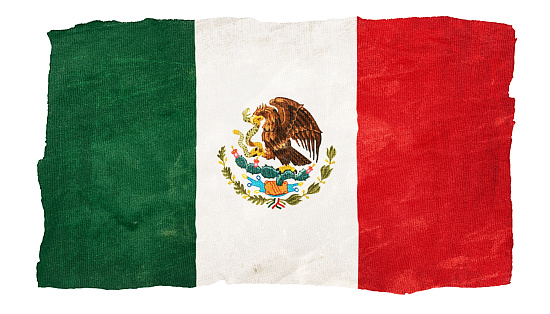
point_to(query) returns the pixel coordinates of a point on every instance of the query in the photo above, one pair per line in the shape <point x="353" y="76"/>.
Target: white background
<point x="242" y="63"/>
<point x="24" y="49"/>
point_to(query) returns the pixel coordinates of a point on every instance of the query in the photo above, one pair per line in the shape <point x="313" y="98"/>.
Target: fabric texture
<point x="435" y="126"/>
<point x="118" y="174"/>
<point x="241" y="64"/>
<point x="172" y="154"/>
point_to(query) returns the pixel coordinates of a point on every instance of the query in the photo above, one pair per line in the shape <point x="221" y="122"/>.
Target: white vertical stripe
<point x="242" y="63"/>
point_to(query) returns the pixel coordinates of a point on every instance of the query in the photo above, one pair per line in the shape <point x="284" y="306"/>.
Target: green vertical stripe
<point x="118" y="175"/>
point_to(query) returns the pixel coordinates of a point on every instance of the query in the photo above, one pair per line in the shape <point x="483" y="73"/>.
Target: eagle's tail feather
<point x="298" y="159"/>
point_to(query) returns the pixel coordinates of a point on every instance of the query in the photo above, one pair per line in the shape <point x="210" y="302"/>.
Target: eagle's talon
<point x="282" y="169"/>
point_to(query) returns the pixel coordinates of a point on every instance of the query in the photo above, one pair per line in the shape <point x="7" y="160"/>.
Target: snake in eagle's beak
<point x="256" y="119"/>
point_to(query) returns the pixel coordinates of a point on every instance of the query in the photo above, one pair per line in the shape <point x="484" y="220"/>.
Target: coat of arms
<point x="282" y="121"/>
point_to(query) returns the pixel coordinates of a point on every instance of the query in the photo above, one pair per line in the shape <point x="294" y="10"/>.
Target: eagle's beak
<point x="256" y="119"/>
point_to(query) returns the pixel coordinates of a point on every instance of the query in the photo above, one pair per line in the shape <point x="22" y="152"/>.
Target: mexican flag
<point x="371" y="154"/>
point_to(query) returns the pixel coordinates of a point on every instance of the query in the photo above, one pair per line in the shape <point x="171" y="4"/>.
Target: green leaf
<point x="293" y="199"/>
<point x="226" y="171"/>
<point x="325" y="171"/>
<point x="257" y="199"/>
<point x="239" y="188"/>
<point x="314" y="188"/>
<point x="331" y="153"/>
<point x="221" y="153"/>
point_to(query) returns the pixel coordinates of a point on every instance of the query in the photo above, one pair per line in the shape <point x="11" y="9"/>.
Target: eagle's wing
<point x="298" y="124"/>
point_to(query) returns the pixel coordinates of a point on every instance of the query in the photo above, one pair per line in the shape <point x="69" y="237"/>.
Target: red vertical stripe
<point x="435" y="125"/>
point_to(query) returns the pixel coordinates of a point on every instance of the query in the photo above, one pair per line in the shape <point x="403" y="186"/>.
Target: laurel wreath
<point x="292" y="199"/>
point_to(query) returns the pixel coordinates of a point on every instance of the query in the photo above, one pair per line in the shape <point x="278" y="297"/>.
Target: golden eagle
<point x="286" y="119"/>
